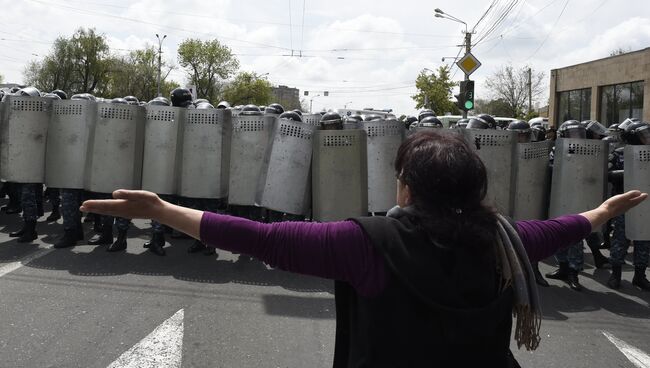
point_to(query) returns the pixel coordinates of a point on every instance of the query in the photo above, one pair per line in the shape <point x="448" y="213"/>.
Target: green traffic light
<point x="469" y="105"/>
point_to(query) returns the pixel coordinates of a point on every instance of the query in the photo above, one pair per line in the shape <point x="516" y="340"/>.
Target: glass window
<point x="563" y="110"/>
<point x="574" y="104"/>
<point x="636" y="100"/>
<point x="621" y="101"/>
<point x="585" y="104"/>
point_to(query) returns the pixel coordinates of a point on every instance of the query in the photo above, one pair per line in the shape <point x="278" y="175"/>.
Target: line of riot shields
<point x="286" y="165"/>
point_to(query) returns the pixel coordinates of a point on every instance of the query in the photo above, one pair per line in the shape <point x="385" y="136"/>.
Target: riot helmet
<point x="410" y="119"/>
<point x="132" y="100"/>
<point x="627" y="122"/>
<point x="179" y="97"/>
<point x="199" y="101"/>
<point x="83" y="96"/>
<point x="462" y="124"/>
<point x="637" y="134"/>
<point x="250" y="110"/>
<point x="187" y="104"/>
<point x="596" y="130"/>
<point x="160" y="101"/>
<point x="430" y="122"/>
<point x="572" y="129"/>
<point x="204" y="105"/>
<point x="357" y="117"/>
<point x="425" y="114"/>
<point x="62" y="95"/>
<point x="537" y="133"/>
<point x="119" y="100"/>
<point x="492" y="124"/>
<point x="53" y="96"/>
<point x="331" y="121"/>
<point x="477" y="123"/>
<point x="223" y="105"/>
<point x="291" y="115"/>
<point x="372" y="117"/>
<point x="297" y="111"/>
<point x="28" y="92"/>
<point x="14" y="89"/>
<point x="277" y="107"/>
<point x="522" y="129"/>
<point x="613" y="127"/>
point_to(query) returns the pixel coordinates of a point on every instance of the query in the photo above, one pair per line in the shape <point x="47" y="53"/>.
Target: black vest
<point x="439" y="308"/>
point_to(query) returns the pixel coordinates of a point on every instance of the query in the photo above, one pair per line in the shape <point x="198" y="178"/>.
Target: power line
<point x="290" y="28"/>
<point x="484" y="14"/>
<point x="550" y="31"/>
<point x="302" y="28"/>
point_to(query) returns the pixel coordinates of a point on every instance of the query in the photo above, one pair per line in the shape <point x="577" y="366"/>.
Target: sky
<point x="364" y="53"/>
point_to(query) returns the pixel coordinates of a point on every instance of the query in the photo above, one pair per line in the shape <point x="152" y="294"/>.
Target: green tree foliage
<point x="511" y="86"/>
<point x="2" y="78"/>
<point x="248" y="88"/>
<point x="77" y="64"/>
<point x="496" y="107"/>
<point x="207" y="64"/>
<point x="137" y="74"/>
<point x="434" y="91"/>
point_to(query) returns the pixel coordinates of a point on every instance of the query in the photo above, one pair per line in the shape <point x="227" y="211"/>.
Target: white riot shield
<point x="339" y="175"/>
<point x="163" y="137"/>
<point x="115" y="152"/>
<point x="532" y="181"/>
<point x="23" y="138"/>
<point x="285" y="184"/>
<point x="637" y="176"/>
<point x="250" y="140"/>
<point x="311" y="119"/>
<point x="206" y="153"/>
<point x="384" y="139"/>
<point x="67" y="143"/>
<point x="579" y="179"/>
<point x="497" y="149"/>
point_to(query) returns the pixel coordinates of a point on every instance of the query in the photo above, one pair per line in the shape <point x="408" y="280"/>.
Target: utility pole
<point x="468" y="48"/>
<point x="530" y="91"/>
<point x="160" y="41"/>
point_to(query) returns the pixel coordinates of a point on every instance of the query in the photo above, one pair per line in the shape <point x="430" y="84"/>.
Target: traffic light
<point x="469" y="94"/>
<point x="465" y="98"/>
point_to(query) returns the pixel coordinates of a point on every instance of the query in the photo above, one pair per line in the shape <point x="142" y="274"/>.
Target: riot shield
<point x="497" y="149"/>
<point x="116" y="149"/>
<point x="285" y="185"/>
<point x="384" y="139"/>
<point x="206" y="153"/>
<point x="339" y="175"/>
<point x="250" y="140"/>
<point x="67" y="143"/>
<point x="312" y="119"/>
<point x="162" y="148"/>
<point x="532" y="181"/>
<point x="23" y="138"/>
<point x="579" y="176"/>
<point x="637" y="176"/>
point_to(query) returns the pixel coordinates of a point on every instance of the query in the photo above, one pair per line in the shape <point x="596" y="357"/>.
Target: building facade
<point x="609" y="90"/>
<point x="288" y="97"/>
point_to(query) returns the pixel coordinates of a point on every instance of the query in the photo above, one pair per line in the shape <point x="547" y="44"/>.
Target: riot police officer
<point x="635" y="133"/>
<point x="329" y="121"/>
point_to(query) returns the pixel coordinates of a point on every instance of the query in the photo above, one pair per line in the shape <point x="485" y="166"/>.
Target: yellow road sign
<point x="468" y="63"/>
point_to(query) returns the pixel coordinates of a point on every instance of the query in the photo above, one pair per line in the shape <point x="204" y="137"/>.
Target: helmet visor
<point x="597" y="128"/>
<point x="644" y="135"/>
<point x="575" y="132"/>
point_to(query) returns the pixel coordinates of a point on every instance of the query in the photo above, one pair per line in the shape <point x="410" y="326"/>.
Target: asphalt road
<point x="84" y="307"/>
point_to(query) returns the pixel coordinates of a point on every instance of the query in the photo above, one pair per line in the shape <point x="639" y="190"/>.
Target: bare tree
<point x="510" y="85"/>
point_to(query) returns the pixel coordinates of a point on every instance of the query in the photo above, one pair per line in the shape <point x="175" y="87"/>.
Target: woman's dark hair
<point x="448" y="183"/>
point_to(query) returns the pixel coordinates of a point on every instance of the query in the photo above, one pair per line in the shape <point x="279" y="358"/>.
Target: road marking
<point x="13" y="266"/>
<point x="162" y="348"/>
<point x="634" y="355"/>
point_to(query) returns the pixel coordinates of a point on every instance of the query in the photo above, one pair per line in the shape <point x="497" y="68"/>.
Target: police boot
<point x="599" y="259"/>
<point x="561" y="273"/>
<point x="55" y="215"/>
<point x="39" y="208"/>
<point x="156" y="244"/>
<point x="104" y="238"/>
<point x="572" y="280"/>
<point x="70" y="238"/>
<point x="539" y="279"/>
<point x="196" y="247"/>
<point x="29" y="232"/>
<point x="120" y="242"/>
<point x="640" y="280"/>
<point x="10" y="209"/>
<point x="614" y="281"/>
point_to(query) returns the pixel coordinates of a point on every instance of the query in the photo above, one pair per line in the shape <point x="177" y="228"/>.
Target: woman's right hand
<point x="132" y="204"/>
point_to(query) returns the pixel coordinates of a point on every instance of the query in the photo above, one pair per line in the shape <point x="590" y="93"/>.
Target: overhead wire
<point x="550" y="31"/>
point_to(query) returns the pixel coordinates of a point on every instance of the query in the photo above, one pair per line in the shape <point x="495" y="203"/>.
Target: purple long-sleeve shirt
<point x="342" y="251"/>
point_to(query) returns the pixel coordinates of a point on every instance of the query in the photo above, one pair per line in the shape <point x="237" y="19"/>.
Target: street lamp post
<point x="468" y="37"/>
<point x="160" y="41"/>
<point x="311" y="102"/>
